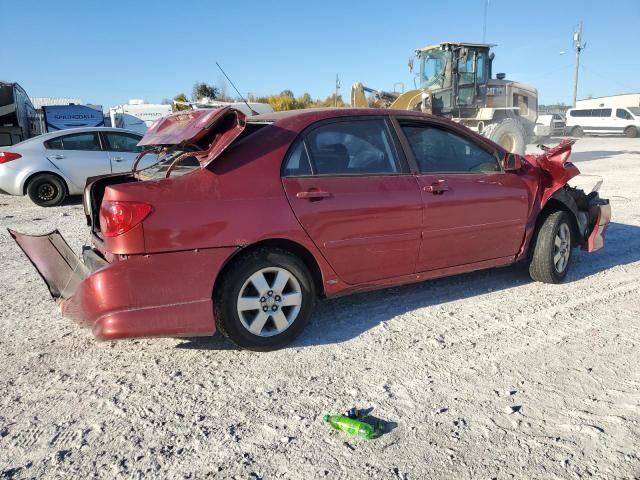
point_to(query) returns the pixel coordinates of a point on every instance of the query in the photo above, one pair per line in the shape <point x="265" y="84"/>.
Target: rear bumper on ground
<point x="164" y="294"/>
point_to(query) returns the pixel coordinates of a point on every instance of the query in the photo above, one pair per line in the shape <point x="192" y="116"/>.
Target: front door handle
<point x="117" y="159"/>
<point x="437" y="188"/>
<point x="313" y="194"/>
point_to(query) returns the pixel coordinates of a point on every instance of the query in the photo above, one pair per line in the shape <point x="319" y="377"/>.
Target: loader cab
<point x="456" y="74"/>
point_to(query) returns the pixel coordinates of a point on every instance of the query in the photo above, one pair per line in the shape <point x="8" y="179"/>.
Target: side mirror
<point x="411" y="65"/>
<point x="511" y="162"/>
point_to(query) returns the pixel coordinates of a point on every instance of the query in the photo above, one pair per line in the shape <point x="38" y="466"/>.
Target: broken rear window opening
<point x="173" y="161"/>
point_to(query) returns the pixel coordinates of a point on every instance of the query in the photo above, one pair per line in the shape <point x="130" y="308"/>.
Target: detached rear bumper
<point x="595" y="241"/>
<point x="159" y="295"/>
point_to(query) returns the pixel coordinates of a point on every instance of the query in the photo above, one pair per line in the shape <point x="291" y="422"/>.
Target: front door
<point x="78" y="156"/>
<point x="472" y="210"/>
<point x="355" y="199"/>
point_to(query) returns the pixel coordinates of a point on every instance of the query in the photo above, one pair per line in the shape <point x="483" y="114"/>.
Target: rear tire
<point x="279" y="286"/>
<point x="46" y="190"/>
<point x="508" y="133"/>
<point x="631" y="132"/>
<point x="577" y="132"/>
<point x="551" y="249"/>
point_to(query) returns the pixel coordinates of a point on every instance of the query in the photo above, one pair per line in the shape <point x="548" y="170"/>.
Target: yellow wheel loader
<point x="455" y="81"/>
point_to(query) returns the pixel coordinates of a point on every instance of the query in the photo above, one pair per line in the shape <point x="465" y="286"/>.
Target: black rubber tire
<point x="577" y="132"/>
<point x="228" y="288"/>
<point x="541" y="265"/>
<point x="47" y="190"/>
<point x="631" y="132"/>
<point x="509" y="130"/>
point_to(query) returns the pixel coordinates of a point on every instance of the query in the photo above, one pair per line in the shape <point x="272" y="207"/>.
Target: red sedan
<point x="258" y="218"/>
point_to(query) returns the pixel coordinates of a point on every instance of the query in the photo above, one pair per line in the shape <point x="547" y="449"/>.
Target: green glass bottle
<point x="351" y="426"/>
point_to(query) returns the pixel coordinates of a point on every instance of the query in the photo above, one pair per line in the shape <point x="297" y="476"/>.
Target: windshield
<point x="634" y="110"/>
<point x="434" y="67"/>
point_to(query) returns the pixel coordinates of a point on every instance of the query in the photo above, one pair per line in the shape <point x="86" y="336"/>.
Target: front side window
<point x="79" y="141"/>
<point x="435" y="69"/>
<point x="437" y="150"/>
<point x="122" y="142"/>
<point x="622" y="113"/>
<point x="352" y="147"/>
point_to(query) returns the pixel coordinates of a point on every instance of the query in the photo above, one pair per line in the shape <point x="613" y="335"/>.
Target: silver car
<point x="51" y="166"/>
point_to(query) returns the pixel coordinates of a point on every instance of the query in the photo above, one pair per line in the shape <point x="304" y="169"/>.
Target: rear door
<point x="122" y="149"/>
<point x="356" y="198"/>
<point x="472" y="210"/>
<point x="78" y="156"/>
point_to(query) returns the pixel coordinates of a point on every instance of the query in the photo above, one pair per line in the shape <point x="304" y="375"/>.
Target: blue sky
<point x="110" y="51"/>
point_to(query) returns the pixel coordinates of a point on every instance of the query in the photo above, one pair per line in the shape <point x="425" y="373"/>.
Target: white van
<point x="625" y="120"/>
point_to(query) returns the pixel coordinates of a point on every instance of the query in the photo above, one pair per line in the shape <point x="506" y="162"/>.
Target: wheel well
<point x="292" y="247"/>
<point x="34" y="175"/>
<point x="554" y="205"/>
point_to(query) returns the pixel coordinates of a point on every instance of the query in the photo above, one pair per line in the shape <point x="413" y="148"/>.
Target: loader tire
<point x="507" y="133"/>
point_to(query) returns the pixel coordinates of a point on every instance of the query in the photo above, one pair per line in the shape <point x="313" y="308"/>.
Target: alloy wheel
<point x="562" y="248"/>
<point x="269" y="301"/>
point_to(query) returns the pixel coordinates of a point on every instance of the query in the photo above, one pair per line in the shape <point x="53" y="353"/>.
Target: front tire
<point x="551" y="251"/>
<point x="46" y="190"/>
<point x="264" y="299"/>
<point x="631" y="132"/>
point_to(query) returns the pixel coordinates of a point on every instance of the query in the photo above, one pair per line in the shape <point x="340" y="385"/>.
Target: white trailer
<point x="137" y="115"/>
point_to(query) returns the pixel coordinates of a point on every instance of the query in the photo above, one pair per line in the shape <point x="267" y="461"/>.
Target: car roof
<point x="315" y="114"/>
<point x="48" y="136"/>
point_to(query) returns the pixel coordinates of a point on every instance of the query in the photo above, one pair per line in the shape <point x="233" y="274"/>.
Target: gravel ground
<point x="484" y="375"/>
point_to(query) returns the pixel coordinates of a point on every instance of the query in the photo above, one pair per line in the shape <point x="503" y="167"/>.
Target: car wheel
<point x="631" y="132"/>
<point x="551" y="254"/>
<point x="264" y="299"/>
<point x="577" y="132"/>
<point x="46" y="190"/>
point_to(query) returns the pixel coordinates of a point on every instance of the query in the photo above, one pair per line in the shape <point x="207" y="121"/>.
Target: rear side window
<point x="352" y="147"/>
<point x="580" y="113"/>
<point x="297" y="163"/>
<point x="122" y="142"/>
<point x="79" y="141"/>
<point x="622" y="113"/>
<point x="438" y="150"/>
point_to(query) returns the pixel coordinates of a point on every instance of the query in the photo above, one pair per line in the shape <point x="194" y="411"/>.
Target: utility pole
<point x="579" y="46"/>
<point x="337" y="89"/>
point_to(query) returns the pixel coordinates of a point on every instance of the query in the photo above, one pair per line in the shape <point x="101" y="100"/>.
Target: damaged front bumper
<point x="160" y="295"/>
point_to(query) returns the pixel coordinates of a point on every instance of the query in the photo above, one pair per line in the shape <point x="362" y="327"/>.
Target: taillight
<point x="8" y="156"/>
<point x="118" y="217"/>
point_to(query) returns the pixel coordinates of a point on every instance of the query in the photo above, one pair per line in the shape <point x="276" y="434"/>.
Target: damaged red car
<point x="246" y="222"/>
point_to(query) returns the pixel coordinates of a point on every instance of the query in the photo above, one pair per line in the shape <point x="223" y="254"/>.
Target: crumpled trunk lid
<point x="204" y="133"/>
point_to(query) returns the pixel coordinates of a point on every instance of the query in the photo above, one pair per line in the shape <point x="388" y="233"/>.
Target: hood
<point x="205" y="133"/>
<point x="555" y="161"/>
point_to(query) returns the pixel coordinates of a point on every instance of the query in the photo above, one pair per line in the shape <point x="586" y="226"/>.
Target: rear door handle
<point x="437" y="188"/>
<point x="57" y="157"/>
<point x="313" y="194"/>
<point x="117" y="159"/>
